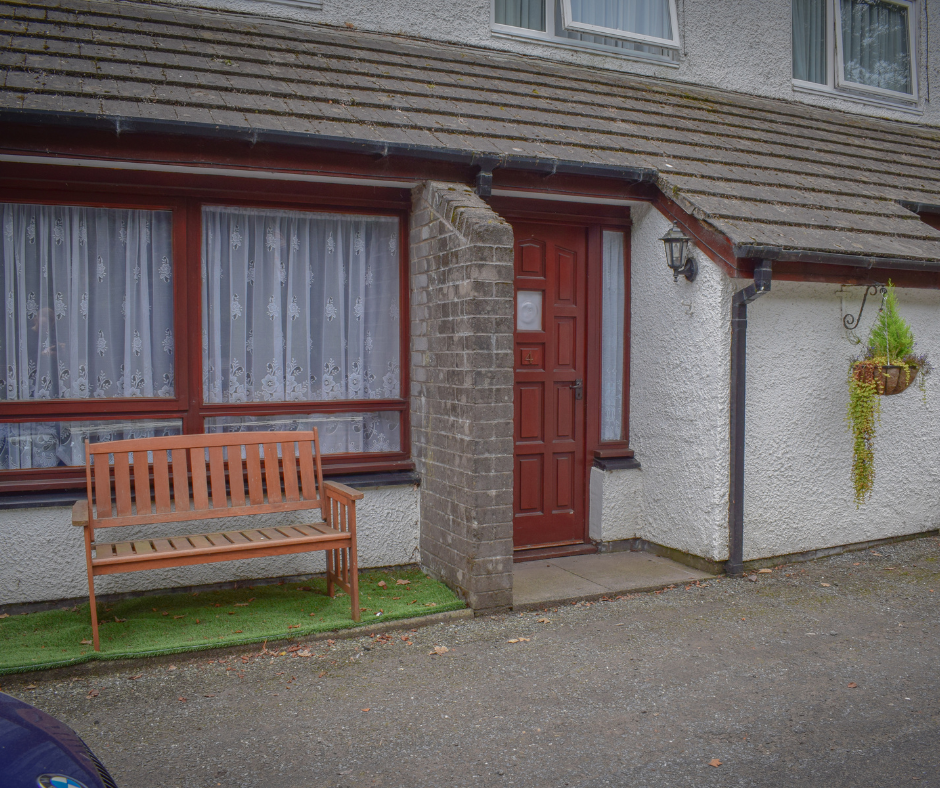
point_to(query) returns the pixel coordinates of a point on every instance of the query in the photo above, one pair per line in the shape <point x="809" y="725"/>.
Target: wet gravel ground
<point x="820" y="674"/>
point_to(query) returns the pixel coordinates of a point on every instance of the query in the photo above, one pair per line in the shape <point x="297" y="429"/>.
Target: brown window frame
<point x="188" y="404"/>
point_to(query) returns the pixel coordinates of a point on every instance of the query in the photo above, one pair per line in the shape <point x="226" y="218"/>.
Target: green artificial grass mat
<point x="173" y="623"/>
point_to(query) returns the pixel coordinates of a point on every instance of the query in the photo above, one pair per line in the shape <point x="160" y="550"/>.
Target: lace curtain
<point x="89" y="303"/>
<point x="612" y="332"/>
<point x="809" y="41"/>
<point x="88" y="313"/>
<point x="302" y="307"/>
<point x="876" y="44"/>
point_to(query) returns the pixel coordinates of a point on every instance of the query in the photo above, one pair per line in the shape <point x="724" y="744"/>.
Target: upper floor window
<point x="859" y="45"/>
<point x="645" y="27"/>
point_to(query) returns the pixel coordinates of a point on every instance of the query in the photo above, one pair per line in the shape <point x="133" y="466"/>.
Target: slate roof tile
<point x="761" y="170"/>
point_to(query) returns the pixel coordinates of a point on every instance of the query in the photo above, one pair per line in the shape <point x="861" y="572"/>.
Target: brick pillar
<point x="462" y="390"/>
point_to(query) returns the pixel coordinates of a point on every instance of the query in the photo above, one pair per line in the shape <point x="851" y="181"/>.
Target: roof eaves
<point x="779" y="254"/>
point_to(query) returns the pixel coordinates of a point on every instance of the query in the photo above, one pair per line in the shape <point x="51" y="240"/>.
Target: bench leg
<point x="331" y="563"/>
<point x="91" y="591"/>
<point x="354" y="581"/>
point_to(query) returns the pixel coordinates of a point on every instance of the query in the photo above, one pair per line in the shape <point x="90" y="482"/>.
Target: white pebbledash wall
<point x="798" y="454"/>
<point x="798" y="451"/>
<point x="740" y="45"/>
<point x="44" y="554"/>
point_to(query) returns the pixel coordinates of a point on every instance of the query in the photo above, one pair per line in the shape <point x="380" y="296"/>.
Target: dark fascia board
<point x="777" y="253"/>
<point x="919" y="207"/>
<point x="486" y="162"/>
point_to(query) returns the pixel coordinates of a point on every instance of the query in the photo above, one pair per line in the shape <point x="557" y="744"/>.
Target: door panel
<point x="550" y="357"/>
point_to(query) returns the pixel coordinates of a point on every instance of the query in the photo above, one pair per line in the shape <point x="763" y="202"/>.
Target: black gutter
<point x="486" y="162"/>
<point x="779" y="254"/>
<point x="742" y="298"/>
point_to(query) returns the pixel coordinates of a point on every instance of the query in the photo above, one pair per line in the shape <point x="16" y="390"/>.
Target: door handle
<point x="578" y="387"/>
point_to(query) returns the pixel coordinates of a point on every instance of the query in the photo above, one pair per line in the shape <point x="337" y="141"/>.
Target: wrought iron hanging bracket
<point x="850" y="322"/>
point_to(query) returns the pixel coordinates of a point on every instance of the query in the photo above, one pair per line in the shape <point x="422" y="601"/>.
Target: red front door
<point x="551" y="284"/>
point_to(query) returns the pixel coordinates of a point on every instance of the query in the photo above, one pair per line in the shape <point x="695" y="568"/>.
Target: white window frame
<point x="567" y="17"/>
<point x="842" y="82"/>
<point x="837" y="84"/>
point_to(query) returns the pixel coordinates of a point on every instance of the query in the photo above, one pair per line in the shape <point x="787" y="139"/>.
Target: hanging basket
<point x="888" y="378"/>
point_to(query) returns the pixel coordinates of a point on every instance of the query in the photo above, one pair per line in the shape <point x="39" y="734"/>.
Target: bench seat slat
<point x="115" y="553"/>
<point x="143" y="547"/>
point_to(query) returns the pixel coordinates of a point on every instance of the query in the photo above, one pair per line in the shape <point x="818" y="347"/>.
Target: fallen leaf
<point x="825" y="585"/>
<point x="244" y="604"/>
<point x="92" y="694"/>
<point x="403" y="582"/>
<point x="764" y="571"/>
<point x="321" y="674"/>
<point x="852" y="685"/>
<point x="154" y="609"/>
<point x="545" y="621"/>
<point x="237" y="632"/>
<point x="439" y="650"/>
<point x="208" y="696"/>
<point x="430" y="604"/>
<point x="30" y="686"/>
<point x="878" y="554"/>
<point x="134" y="678"/>
<point x="519" y="640"/>
<point x="365" y="709"/>
<point x="293" y="626"/>
<point x="120" y="620"/>
<point x="857" y="563"/>
<point x="396" y="597"/>
<point x="304" y="653"/>
<point x="86" y="642"/>
<point x="313" y="614"/>
<point x="172" y="667"/>
<point x="180" y="616"/>
<point x="165" y="613"/>
<point x="382" y="584"/>
<point x="4" y="615"/>
<point x="181" y="699"/>
<point x="714" y="762"/>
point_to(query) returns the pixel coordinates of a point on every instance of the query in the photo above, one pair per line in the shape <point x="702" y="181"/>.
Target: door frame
<point x="595" y="219"/>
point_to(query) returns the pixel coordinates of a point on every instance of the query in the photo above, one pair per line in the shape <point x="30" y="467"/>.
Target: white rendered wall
<point x="679" y="373"/>
<point x="798" y="451"/>
<point x="44" y="556"/>
<point x="740" y="45"/>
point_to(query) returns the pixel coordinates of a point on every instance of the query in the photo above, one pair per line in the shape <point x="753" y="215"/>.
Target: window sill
<point x="616" y="463"/>
<point x="585" y="46"/>
<point x="909" y="106"/>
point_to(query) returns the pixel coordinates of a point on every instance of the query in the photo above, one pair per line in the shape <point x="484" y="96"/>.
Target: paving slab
<point x="585" y="576"/>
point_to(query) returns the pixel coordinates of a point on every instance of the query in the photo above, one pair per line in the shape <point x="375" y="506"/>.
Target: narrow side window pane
<point x="299" y="307"/>
<point x="612" y="344"/>
<point x="809" y="41"/>
<point x="88" y="303"/>
<point x="876" y="44"/>
<point x="529" y="14"/>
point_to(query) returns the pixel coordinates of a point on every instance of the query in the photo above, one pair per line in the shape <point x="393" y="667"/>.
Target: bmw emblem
<point x="58" y="781"/>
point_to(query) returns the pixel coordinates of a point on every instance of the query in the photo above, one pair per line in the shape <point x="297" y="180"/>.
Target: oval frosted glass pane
<point x="612" y="341"/>
<point x="529" y="310"/>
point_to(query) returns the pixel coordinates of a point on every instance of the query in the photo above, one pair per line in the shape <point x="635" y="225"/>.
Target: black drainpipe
<point x="742" y="298"/>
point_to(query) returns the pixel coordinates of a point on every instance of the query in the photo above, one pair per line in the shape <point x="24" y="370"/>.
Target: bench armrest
<point x="80" y="513"/>
<point x="341" y="492"/>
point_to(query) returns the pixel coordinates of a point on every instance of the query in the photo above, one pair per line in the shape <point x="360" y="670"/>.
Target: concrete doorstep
<point x="559" y="580"/>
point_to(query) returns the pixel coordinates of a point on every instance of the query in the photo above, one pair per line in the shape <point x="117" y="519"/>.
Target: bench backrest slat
<point x="188" y="487"/>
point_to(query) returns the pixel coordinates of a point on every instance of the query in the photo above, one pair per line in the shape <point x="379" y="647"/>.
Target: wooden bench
<point x="205" y="477"/>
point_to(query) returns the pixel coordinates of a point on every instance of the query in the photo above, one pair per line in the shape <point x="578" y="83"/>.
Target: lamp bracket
<point x="689" y="270"/>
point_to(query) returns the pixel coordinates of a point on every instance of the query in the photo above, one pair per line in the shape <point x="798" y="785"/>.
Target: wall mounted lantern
<point x="677" y="254"/>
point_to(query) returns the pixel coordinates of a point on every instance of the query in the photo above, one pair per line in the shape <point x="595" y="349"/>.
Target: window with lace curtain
<point x="645" y="28"/>
<point x="296" y="323"/>
<point x="862" y="46"/>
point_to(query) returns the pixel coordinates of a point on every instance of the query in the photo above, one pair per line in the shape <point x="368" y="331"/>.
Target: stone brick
<point x="462" y="365"/>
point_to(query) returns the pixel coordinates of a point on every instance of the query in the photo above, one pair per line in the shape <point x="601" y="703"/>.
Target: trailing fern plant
<point x="890" y="345"/>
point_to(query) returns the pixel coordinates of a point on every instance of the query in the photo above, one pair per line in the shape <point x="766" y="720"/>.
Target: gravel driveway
<point x="817" y="674"/>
